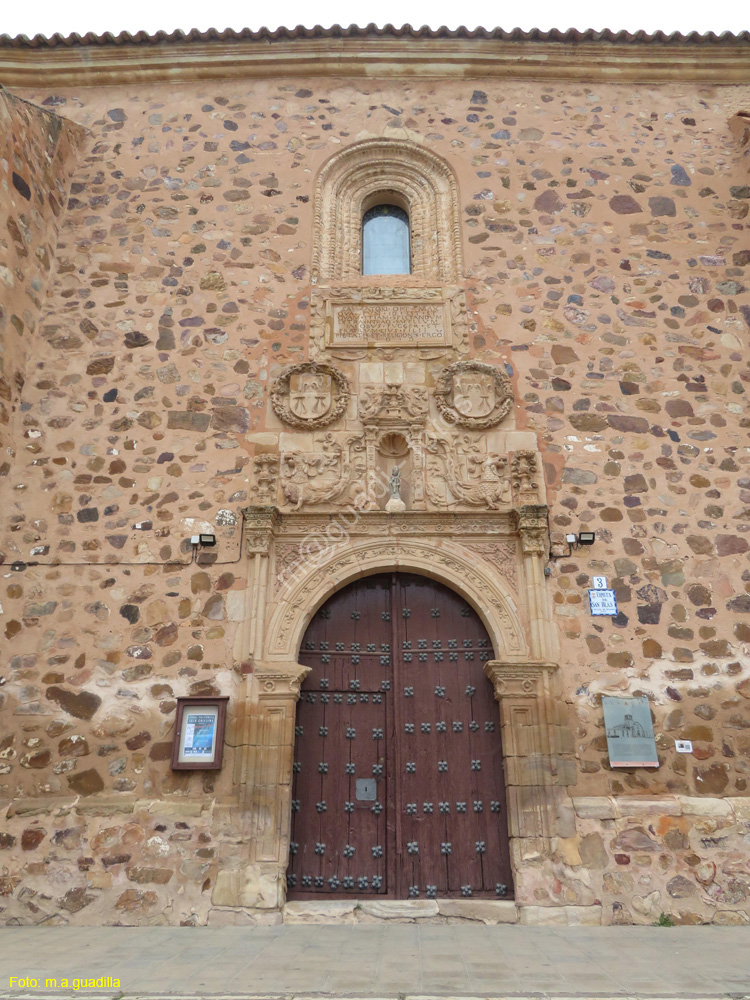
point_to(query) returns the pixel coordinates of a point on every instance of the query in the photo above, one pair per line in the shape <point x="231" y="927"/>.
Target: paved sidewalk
<point x="384" y="960"/>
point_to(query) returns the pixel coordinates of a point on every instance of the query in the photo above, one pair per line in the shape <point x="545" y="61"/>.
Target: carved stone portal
<point x="310" y="395"/>
<point x="473" y="394"/>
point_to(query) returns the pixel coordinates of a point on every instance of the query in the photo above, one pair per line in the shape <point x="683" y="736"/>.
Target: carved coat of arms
<point x="473" y="394"/>
<point x="310" y="395"/>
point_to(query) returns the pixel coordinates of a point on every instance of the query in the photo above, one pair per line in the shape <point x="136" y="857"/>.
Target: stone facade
<point x="186" y="345"/>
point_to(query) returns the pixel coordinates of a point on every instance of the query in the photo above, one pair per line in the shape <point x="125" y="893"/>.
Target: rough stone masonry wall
<point x="607" y="257"/>
<point x="37" y="153"/>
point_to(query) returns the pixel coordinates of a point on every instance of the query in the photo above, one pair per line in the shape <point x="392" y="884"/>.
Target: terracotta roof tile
<point x="568" y="37"/>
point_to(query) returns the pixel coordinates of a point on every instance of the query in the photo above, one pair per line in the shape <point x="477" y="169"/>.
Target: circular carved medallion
<point x="310" y="395"/>
<point x="473" y="394"/>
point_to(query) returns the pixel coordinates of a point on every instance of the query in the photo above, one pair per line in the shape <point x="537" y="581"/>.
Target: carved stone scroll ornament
<point x="473" y="394"/>
<point x="324" y="475"/>
<point x="393" y="404"/>
<point x="310" y="395"/>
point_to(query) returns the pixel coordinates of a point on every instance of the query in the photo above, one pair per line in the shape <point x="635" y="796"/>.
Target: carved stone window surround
<point x="355" y="178"/>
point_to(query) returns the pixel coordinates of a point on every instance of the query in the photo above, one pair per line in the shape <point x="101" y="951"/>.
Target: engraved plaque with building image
<point x="630" y="732"/>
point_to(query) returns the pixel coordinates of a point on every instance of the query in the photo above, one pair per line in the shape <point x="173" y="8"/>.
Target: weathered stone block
<point x="645" y="805"/>
<point x="399" y="909"/>
<point x="561" y="916"/>
<point x="693" y="805"/>
<point x="594" y="807"/>
<point x="332" y="911"/>
<point x="488" y="911"/>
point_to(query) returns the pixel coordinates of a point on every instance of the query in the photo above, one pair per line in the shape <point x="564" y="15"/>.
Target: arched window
<point x="418" y="192"/>
<point x="385" y="241"/>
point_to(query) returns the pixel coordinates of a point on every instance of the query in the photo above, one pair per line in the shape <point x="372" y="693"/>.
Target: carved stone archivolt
<point x="353" y="179"/>
<point x="473" y="394"/>
<point x="319" y="570"/>
<point x="310" y="395"/>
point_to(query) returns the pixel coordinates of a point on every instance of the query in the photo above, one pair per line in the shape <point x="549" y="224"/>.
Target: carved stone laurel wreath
<point x="310" y="395"/>
<point x="473" y="394"/>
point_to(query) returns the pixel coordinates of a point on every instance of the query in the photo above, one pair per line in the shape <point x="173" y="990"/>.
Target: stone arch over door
<point x="488" y="594"/>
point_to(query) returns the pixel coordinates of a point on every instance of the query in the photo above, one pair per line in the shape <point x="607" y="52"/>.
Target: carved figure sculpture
<point x="314" y="477"/>
<point x="460" y="473"/>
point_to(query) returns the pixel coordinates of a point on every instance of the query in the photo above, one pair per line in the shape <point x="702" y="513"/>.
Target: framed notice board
<point x="199" y="733"/>
<point x="630" y="732"/>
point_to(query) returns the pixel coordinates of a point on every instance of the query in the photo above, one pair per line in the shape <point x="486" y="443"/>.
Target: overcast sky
<point x="48" y="16"/>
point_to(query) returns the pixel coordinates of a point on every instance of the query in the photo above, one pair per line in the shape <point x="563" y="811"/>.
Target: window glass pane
<point x="385" y="241"/>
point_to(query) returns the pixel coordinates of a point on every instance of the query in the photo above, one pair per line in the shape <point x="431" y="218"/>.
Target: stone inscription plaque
<point x="389" y="324"/>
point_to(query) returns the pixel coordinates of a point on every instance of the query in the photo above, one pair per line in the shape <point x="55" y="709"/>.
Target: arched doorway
<point x="398" y="784"/>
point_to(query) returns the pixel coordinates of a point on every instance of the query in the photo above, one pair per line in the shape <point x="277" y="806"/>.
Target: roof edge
<point x="374" y="53"/>
<point x="567" y="36"/>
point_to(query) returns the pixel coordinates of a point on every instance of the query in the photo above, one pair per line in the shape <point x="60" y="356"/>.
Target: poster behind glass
<point x="198" y="736"/>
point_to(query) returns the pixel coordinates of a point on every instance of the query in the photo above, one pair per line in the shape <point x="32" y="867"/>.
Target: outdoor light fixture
<point x="203" y="540"/>
<point x="574" y="541"/>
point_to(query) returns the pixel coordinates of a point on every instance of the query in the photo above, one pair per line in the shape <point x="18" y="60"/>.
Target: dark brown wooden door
<point x="398" y="774"/>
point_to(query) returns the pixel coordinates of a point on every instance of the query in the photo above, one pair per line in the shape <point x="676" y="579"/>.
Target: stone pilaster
<point x="537" y="745"/>
<point x="261" y="526"/>
<point x="264" y="774"/>
<point x="532" y="522"/>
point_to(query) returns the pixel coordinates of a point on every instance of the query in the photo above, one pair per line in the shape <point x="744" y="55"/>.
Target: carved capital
<point x="280" y="679"/>
<point x="261" y="524"/>
<point x="519" y="679"/>
<point x="533" y="528"/>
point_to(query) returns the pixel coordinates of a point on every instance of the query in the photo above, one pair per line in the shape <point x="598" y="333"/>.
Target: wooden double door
<point x="398" y="786"/>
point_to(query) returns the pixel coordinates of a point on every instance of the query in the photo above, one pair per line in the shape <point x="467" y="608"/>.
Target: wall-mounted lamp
<point x="575" y="541"/>
<point x="203" y="540"/>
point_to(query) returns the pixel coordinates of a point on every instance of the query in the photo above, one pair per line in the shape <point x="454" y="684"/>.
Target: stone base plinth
<point x="353" y="911"/>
